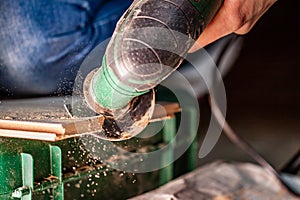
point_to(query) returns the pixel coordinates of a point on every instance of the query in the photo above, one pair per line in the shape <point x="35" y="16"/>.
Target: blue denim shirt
<point x="44" y="42"/>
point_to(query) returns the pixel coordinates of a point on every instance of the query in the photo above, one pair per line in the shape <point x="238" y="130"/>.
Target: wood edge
<point x="28" y="135"/>
<point x="169" y="110"/>
<point x="31" y="126"/>
<point x="55" y="131"/>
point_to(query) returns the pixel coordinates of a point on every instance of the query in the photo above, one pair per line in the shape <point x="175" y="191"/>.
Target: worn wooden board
<point x="49" y="131"/>
<point x="46" y="119"/>
<point x="222" y="181"/>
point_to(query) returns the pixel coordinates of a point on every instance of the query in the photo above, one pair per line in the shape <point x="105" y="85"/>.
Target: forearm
<point x="235" y="16"/>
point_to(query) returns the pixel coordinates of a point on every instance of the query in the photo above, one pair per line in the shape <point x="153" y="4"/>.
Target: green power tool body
<point x="149" y="43"/>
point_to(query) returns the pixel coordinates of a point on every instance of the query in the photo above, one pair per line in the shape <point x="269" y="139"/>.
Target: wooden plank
<point x="28" y="135"/>
<point x="164" y="110"/>
<point x="53" y="129"/>
<point x="50" y="137"/>
<point x="84" y="125"/>
<point x="49" y="131"/>
<point x="64" y="128"/>
<point x="57" y="128"/>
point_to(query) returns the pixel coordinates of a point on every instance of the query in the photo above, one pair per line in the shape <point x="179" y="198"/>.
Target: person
<point x="235" y="16"/>
<point x="43" y="43"/>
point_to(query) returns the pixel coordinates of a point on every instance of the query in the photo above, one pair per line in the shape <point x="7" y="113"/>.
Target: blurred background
<point x="263" y="89"/>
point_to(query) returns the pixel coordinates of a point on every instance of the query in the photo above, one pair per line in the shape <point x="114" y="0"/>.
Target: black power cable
<point x="248" y="149"/>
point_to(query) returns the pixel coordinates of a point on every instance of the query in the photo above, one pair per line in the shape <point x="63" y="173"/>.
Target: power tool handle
<point x="154" y="36"/>
<point x="149" y="43"/>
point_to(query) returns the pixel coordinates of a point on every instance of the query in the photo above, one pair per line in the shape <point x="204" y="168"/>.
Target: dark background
<point x="266" y="75"/>
<point x="263" y="88"/>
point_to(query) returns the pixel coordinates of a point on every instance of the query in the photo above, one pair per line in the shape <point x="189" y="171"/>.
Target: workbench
<point x="61" y="167"/>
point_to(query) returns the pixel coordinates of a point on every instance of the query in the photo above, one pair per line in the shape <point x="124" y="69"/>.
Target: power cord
<point x="248" y="149"/>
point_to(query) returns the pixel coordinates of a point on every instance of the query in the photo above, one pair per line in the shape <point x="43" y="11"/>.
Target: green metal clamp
<point x="25" y="192"/>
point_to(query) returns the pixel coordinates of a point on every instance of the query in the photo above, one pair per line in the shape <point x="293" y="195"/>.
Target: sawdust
<point x="130" y="121"/>
<point x="40" y="109"/>
<point x="34" y="116"/>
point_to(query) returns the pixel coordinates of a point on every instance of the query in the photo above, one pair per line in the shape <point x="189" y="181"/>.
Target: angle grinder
<point x="150" y="41"/>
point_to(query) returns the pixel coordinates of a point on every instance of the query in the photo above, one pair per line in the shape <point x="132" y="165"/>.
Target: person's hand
<point x="235" y="16"/>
